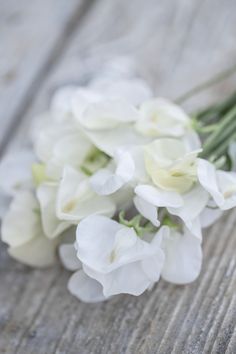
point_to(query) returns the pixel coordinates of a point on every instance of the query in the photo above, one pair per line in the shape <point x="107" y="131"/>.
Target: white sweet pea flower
<point x="80" y="284"/>
<point x="220" y="185"/>
<point x="170" y="165"/>
<point x="68" y="257"/>
<point x="109" y="125"/>
<point x="108" y="114"/>
<point x="108" y="180"/>
<point x="187" y="207"/>
<point x="116" y="257"/>
<point x="22" y="231"/>
<point x="183" y="256"/>
<point x="85" y="288"/>
<point x="148" y="210"/>
<point x="76" y="199"/>
<point x="162" y="118"/>
<point x="194" y="203"/>
<point x="61" y="144"/>
<point x="47" y="197"/>
<point x="107" y="119"/>
<point x="126" y="169"/>
<point x="129" y="91"/>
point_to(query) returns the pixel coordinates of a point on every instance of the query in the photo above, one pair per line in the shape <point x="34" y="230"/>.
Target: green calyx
<point x="93" y="161"/>
<point x="137" y="224"/>
<point x="167" y="221"/>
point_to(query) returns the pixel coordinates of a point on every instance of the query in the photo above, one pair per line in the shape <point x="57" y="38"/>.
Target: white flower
<point x="129" y="91"/>
<point x="22" y="231"/>
<point x="58" y="145"/>
<point x="162" y="118"/>
<point x="47" y="197"/>
<point x="85" y="288"/>
<point x="148" y="210"/>
<point x="80" y="284"/>
<point x="183" y="256"/>
<point x="107" y="121"/>
<point x="108" y="180"/>
<point x="116" y="257"/>
<point x="68" y="257"/>
<point x="170" y="166"/>
<point x="220" y="185"/>
<point x="76" y="199"/>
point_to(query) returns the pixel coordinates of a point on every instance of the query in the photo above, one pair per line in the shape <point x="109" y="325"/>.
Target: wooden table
<point x="176" y="44"/>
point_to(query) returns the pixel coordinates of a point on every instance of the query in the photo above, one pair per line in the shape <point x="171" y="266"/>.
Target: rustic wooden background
<point x="176" y="44"/>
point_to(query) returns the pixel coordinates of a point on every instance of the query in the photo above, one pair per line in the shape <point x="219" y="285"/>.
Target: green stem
<point x="225" y="128"/>
<point x="216" y="111"/>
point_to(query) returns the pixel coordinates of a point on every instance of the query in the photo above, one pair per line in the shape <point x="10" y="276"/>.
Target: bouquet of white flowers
<point x="122" y="184"/>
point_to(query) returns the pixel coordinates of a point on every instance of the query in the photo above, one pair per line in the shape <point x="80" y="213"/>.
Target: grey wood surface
<point x="176" y="45"/>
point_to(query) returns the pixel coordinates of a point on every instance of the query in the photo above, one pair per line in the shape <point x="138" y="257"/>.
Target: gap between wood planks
<point x="54" y="55"/>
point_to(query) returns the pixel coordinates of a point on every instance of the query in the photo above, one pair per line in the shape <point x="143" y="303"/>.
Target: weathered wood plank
<point x="177" y="44"/>
<point x="32" y="35"/>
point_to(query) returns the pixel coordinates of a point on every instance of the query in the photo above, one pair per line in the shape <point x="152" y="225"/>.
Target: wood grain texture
<point x="32" y="35"/>
<point x="176" y="45"/>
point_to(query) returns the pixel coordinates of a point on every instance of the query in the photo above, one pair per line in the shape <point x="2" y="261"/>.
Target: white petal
<point x="220" y="184"/>
<point x="109" y="140"/>
<point x="194" y="227"/>
<point x="158" y="197"/>
<point x="108" y="114"/>
<point x="21" y="222"/>
<point x="207" y="178"/>
<point x="105" y="182"/>
<point x="130" y="279"/>
<point x="52" y="226"/>
<point x="76" y="199"/>
<point x="105" y="245"/>
<point x="194" y="203"/>
<point x="15" y="171"/>
<point x="183" y="258"/>
<point x="85" y="288"/>
<point x="161" y="117"/>
<point x="68" y="257"/>
<point x="227" y="186"/>
<point x="82" y="98"/>
<point x="38" y="252"/>
<point x="149" y="211"/>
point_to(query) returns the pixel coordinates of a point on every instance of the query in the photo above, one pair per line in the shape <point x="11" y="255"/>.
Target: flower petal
<point x="85" y="288"/>
<point x="76" y="199"/>
<point x="148" y="210"/>
<point x="52" y="226"/>
<point x="183" y="258"/>
<point x="158" y="197"/>
<point x="38" y="252"/>
<point x="21" y="222"/>
<point x="67" y="253"/>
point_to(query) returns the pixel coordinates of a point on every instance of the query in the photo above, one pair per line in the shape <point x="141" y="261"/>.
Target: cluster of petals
<point x="98" y="151"/>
